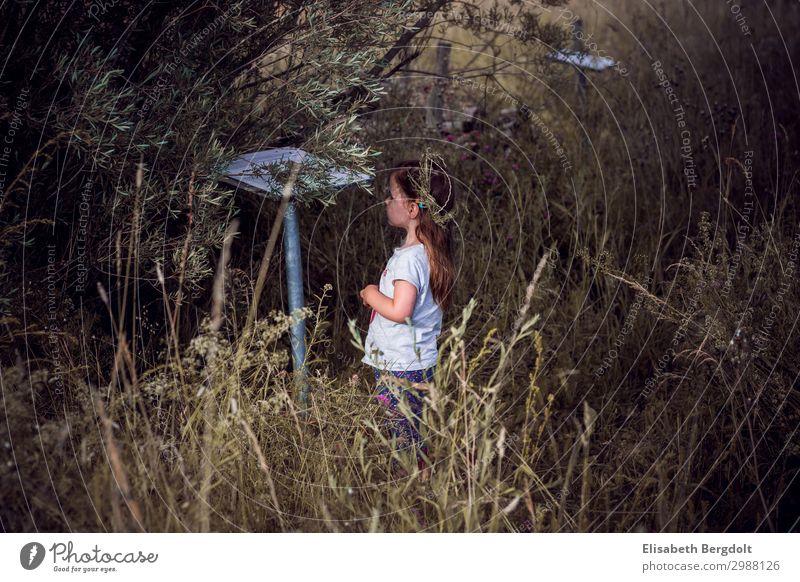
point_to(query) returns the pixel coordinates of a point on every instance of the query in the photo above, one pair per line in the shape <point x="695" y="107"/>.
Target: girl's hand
<point x="363" y="293"/>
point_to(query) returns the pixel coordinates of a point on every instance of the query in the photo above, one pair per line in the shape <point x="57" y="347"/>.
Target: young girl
<point x="414" y="288"/>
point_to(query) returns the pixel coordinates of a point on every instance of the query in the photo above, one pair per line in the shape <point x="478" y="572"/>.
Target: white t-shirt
<point x="398" y="346"/>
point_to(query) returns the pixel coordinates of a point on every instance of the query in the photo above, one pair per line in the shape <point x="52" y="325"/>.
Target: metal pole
<point x="294" y="275"/>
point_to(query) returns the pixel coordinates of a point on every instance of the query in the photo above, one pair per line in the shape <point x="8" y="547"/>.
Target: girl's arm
<point x="397" y="309"/>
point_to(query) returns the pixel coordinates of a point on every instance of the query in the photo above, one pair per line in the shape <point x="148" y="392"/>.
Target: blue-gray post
<point x="294" y="275"/>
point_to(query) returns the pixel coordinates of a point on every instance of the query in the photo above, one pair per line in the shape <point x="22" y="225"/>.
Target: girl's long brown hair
<point x="436" y="238"/>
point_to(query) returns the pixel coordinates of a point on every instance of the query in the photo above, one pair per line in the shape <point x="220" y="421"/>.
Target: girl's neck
<point x="411" y="238"/>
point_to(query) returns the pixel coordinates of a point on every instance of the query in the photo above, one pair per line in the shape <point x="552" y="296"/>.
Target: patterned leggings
<point x="405" y="430"/>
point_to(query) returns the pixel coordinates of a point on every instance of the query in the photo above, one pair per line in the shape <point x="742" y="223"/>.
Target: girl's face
<point x="400" y="210"/>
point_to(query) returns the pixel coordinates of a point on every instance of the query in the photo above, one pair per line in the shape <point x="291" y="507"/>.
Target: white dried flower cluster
<point x="207" y="346"/>
<point x="159" y="386"/>
<point x="275" y="404"/>
<point x="277" y="359"/>
<point x="264" y="351"/>
<point x="211" y="347"/>
<point x="278" y="323"/>
<point x="266" y="332"/>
